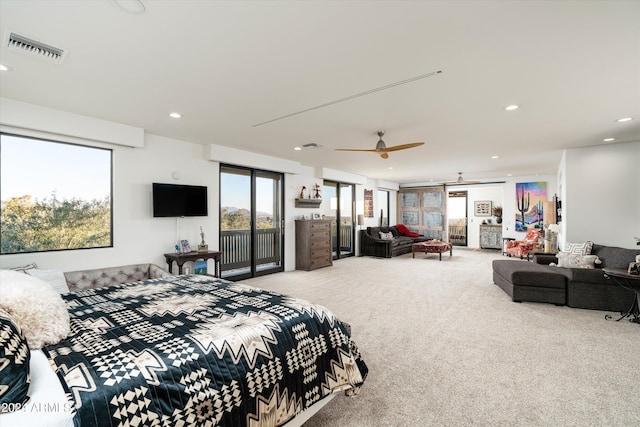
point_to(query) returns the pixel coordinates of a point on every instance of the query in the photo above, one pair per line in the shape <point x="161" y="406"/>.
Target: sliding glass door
<point x="251" y="232"/>
<point x="457" y="218"/>
<point x="340" y="211"/>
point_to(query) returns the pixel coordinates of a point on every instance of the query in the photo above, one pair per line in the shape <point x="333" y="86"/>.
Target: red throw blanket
<point x="402" y="229"/>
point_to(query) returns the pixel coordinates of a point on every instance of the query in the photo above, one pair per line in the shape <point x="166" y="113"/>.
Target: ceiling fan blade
<point x="404" y="146"/>
<point x="353" y="149"/>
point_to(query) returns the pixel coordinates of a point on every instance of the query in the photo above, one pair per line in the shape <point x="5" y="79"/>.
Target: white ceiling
<point x="572" y="66"/>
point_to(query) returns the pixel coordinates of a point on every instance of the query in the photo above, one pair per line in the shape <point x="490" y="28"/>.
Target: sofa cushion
<point x="613" y="257"/>
<point x="402" y="241"/>
<point x="521" y="273"/>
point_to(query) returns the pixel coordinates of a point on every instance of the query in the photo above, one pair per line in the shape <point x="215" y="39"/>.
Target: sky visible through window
<point x="236" y="192"/>
<point x="40" y="168"/>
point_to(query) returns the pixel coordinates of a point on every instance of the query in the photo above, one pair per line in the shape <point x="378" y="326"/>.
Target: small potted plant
<point x="497" y="212"/>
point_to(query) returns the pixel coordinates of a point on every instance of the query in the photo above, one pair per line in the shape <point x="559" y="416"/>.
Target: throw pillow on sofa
<point x="386" y="236"/>
<point x="571" y="260"/>
<point x="578" y="248"/>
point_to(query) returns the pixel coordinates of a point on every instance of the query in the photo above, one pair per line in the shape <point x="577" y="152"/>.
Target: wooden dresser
<point x="313" y="244"/>
<point x="491" y="236"/>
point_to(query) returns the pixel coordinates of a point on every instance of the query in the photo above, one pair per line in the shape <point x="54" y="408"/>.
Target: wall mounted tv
<point x="171" y="200"/>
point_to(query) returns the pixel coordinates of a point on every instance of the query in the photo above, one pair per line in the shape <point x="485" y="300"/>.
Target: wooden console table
<point x="181" y="258"/>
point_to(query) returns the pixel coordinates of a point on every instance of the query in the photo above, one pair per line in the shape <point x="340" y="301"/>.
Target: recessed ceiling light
<point x="624" y="119"/>
<point x="297" y="148"/>
<point x="175" y="115"/>
<point x="495" y="157"/>
<point x="512" y="107"/>
<point x="5" y="67"/>
<point x="509" y="174"/>
<point x="390" y="168"/>
<point x="609" y="139"/>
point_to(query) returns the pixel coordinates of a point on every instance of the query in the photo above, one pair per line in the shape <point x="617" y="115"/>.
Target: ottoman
<point x="526" y="281"/>
<point x="431" y="248"/>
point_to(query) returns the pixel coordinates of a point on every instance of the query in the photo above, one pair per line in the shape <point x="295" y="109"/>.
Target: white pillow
<point x="55" y="279"/>
<point x="35" y="307"/>
<point x="386" y="236"/>
<point x="569" y="260"/>
<point x="578" y="248"/>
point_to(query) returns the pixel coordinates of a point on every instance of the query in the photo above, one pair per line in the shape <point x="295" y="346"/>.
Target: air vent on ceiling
<point x="29" y="46"/>
<point x="312" y="145"/>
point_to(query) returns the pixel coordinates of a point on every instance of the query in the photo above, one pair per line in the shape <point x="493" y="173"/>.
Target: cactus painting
<point x="529" y="198"/>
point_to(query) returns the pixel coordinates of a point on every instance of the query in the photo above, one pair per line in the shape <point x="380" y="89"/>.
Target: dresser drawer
<point x="321" y="262"/>
<point x="318" y="226"/>
<point x="319" y="235"/>
<point x="316" y="244"/>
<point x="320" y="253"/>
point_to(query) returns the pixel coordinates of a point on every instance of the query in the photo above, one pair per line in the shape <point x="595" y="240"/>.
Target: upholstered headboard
<point x="86" y="279"/>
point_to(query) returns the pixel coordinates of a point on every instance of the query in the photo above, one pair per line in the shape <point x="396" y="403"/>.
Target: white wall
<point x="602" y="194"/>
<point x="493" y="192"/>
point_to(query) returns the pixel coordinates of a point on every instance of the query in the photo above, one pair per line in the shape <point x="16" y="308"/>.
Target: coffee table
<point x="431" y="248"/>
<point x="627" y="281"/>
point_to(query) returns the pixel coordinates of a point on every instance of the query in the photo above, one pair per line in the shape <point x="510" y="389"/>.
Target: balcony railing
<point x="236" y="247"/>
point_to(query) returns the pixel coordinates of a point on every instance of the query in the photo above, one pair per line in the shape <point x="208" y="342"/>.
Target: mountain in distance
<point x="244" y="212"/>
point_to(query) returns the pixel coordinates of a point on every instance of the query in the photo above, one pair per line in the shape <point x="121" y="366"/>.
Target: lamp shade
<point x="554" y="228"/>
<point x="360" y="219"/>
<point x="549" y="213"/>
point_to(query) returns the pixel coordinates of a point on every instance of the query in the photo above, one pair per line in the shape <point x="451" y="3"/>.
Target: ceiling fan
<point x="460" y="180"/>
<point x="382" y="149"/>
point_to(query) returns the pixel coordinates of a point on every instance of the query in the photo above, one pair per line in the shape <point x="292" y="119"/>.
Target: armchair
<point x="522" y="247"/>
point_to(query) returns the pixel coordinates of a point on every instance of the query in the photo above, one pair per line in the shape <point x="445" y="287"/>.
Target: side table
<point x="181" y="258"/>
<point x="627" y="281"/>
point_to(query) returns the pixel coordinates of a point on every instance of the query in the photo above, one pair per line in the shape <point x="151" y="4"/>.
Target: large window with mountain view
<point x="55" y="196"/>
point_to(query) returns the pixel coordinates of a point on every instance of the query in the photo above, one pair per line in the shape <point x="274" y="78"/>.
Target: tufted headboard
<point x="86" y="279"/>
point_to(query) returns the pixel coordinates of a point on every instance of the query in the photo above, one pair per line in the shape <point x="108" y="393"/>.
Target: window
<point x="55" y="196"/>
<point x="383" y="201"/>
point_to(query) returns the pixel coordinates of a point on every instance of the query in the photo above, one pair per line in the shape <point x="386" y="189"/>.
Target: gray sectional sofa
<point x="576" y="287"/>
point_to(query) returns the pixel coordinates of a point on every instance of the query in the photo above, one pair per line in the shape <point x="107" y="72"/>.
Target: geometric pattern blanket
<point x="200" y="351"/>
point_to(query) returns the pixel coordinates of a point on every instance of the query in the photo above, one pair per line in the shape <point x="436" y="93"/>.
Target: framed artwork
<point x="529" y="199"/>
<point x="185" y="246"/>
<point x="482" y="207"/>
<point x="368" y="203"/>
<point x="316" y="216"/>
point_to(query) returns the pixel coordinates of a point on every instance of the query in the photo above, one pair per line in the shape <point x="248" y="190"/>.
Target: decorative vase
<point x="499" y="220"/>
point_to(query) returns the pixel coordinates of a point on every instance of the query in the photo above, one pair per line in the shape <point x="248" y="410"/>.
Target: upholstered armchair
<point x="522" y="247"/>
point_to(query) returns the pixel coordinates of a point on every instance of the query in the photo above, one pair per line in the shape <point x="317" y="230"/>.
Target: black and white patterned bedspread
<point x="199" y="351"/>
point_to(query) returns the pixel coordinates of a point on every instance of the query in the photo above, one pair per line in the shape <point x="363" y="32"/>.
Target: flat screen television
<point x="171" y="200"/>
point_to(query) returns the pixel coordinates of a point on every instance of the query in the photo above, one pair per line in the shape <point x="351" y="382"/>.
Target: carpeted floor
<point x="447" y="347"/>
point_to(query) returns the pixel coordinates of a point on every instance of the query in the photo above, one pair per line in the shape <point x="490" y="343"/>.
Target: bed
<point x="190" y="350"/>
